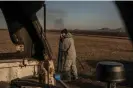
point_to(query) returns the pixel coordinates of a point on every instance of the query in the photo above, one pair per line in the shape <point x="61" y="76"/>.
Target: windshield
<point x="98" y="34"/>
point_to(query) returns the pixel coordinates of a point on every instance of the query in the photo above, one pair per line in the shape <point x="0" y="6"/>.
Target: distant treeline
<point x="91" y="32"/>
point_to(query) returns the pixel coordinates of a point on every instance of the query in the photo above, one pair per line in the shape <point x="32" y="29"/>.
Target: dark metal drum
<point x="108" y="71"/>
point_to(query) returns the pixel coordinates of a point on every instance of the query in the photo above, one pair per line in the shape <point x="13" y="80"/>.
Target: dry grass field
<point x="90" y="50"/>
<point x="97" y="47"/>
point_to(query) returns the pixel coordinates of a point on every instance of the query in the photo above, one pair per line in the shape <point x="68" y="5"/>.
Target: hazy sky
<point x="83" y="14"/>
<point x="78" y="14"/>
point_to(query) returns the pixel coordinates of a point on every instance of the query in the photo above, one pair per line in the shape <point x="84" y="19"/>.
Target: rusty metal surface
<point x="13" y="70"/>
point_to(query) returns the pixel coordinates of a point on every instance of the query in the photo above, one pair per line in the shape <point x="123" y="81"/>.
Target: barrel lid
<point x="112" y="63"/>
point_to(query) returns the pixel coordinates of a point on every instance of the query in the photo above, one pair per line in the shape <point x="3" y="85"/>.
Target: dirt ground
<point x="90" y="50"/>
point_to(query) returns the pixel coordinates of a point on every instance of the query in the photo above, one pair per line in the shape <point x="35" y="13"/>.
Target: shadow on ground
<point x="85" y="83"/>
<point x="4" y="84"/>
<point x="128" y="71"/>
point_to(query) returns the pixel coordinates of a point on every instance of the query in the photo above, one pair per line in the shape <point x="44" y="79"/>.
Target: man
<point x="60" y="58"/>
<point x="69" y="54"/>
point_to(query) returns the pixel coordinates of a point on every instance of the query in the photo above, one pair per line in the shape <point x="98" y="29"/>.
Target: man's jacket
<point x="68" y="47"/>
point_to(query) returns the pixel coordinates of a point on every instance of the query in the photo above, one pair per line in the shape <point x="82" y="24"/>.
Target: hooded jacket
<point x="68" y="47"/>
